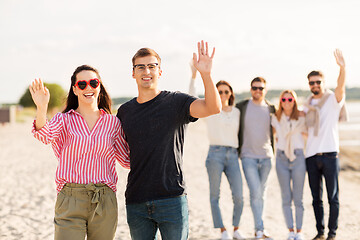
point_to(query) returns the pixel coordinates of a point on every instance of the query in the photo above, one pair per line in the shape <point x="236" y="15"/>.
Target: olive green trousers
<point x="85" y="210"/>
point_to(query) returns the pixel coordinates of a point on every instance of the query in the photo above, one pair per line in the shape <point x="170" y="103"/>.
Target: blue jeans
<point x="326" y="165"/>
<point x="170" y="215"/>
<point x="224" y="159"/>
<point x="256" y="172"/>
<point x="291" y="176"/>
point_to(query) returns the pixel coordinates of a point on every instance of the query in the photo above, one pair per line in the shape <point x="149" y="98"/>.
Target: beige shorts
<point x="85" y="210"/>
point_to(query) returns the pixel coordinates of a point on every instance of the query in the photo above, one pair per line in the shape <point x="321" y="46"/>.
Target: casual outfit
<point x="290" y="167"/>
<point x="155" y="133"/>
<point x="256" y="150"/>
<point x="223" y="157"/>
<point x="86" y="175"/>
<point x="322" y="149"/>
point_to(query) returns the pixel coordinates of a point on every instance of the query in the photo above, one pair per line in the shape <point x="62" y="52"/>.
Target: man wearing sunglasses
<point x="323" y="111"/>
<point x="256" y="146"/>
<point x="154" y="124"/>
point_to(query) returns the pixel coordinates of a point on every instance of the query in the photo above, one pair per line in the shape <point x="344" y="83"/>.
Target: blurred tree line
<point x="351" y="94"/>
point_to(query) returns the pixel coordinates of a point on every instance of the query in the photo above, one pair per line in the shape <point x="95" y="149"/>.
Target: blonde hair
<point x="295" y="111"/>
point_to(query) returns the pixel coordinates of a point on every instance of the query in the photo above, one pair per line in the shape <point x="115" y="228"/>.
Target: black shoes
<point x="319" y="237"/>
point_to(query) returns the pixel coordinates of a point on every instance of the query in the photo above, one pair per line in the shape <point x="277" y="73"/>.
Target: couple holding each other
<point x="251" y="131"/>
<point x="147" y="135"/>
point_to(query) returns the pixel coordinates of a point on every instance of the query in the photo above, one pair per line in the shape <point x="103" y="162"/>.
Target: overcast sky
<point x="279" y="40"/>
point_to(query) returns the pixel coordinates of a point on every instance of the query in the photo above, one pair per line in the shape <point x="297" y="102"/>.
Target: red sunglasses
<point x="290" y="99"/>
<point x="82" y="84"/>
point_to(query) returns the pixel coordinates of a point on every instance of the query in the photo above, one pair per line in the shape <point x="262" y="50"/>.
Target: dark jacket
<point x="242" y="107"/>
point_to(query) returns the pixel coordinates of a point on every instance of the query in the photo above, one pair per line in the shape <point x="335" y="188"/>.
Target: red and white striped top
<point x="85" y="156"/>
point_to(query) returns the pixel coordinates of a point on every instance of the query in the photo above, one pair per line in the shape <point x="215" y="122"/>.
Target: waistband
<point x="224" y="147"/>
<point x="327" y="154"/>
<point x="81" y="189"/>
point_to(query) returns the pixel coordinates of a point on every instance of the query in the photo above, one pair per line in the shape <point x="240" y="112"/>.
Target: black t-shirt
<point x="155" y="132"/>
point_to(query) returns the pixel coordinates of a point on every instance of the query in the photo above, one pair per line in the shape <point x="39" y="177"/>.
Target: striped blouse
<point x="85" y="156"/>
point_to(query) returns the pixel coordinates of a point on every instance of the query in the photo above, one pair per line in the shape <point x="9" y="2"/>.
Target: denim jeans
<point x="170" y="215"/>
<point x="291" y="176"/>
<point x="224" y="159"/>
<point x="256" y="173"/>
<point x="326" y="165"/>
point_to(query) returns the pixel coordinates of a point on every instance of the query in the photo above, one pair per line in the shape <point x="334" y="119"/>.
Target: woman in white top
<point x="223" y="156"/>
<point x="289" y="125"/>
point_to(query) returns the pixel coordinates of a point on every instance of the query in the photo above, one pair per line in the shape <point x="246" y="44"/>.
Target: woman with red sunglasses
<point x="87" y="141"/>
<point x="289" y="125"/>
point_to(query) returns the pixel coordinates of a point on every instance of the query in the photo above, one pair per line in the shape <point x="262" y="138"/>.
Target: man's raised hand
<point x="203" y="63"/>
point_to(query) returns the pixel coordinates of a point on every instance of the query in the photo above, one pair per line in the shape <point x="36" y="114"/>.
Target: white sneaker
<point x="291" y="236"/>
<point x="262" y="235"/>
<point x="237" y="235"/>
<point x="299" y="236"/>
<point x="225" y="236"/>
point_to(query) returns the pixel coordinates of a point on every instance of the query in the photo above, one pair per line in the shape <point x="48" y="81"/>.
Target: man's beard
<point x="315" y="92"/>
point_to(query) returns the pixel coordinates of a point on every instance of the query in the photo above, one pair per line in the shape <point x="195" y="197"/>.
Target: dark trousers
<point x="326" y="165"/>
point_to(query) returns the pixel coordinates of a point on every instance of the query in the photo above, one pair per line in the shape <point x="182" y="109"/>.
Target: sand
<point x="27" y="191"/>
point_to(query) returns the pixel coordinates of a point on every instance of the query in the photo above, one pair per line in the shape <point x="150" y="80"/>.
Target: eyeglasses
<point x="312" y="83"/>
<point x="142" y="67"/>
<point x="226" y="92"/>
<point x="257" y="88"/>
<point x="290" y="99"/>
<point x="82" y="84"/>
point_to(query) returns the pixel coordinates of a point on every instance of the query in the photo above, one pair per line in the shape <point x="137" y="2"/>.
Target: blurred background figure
<point x="289" y="126"/>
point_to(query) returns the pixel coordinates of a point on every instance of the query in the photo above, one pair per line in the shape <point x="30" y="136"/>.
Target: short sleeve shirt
<point x="327" y="139"/>
<point x="155" y="132"/>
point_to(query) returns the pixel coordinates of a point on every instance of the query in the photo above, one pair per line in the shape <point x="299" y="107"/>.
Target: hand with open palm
<point x="204" y="63"/>
<point x="339" y="58"/>
<point x="39" y="93"/>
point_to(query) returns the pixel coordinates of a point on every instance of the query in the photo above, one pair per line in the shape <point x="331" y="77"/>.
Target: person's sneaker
<point x="262" y="235"/>
<point x="225" y="235"/>
<point x="319" y="236"/>
<point x="291" y="236"/>
<point x="237" y="235"/>
<point x="299" y="236"/>
<point x="331" y="238"/>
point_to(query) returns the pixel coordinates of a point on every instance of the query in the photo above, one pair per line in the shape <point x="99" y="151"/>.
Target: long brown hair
<point x="295" y="111"/>
<point x="104" y="101"/>
<point x="232" y="96"/>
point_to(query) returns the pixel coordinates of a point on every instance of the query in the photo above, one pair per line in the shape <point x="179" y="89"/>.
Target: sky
<point x="280" y="40"/>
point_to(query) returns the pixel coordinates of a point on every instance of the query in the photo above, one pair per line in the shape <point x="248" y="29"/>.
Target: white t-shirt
<point x="223" y="128"/>
<point x="296" y="139"/>
<point x="328" y="135"/>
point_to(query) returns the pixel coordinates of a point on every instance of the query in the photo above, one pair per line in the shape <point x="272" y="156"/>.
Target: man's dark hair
<point x="144" y="52"/>
<point x="315" y="73"/>
<point x="258" y="79"/>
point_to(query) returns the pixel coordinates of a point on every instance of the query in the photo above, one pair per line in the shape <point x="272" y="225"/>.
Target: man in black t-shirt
<point x="154" y="124"/>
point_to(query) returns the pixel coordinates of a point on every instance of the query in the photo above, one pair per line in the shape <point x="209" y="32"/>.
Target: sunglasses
<point x="257" y="88"/>
<point x="226" y="92"/>
<point x="312" y="83"/>
<point x="290" y="99"/>
<point x="82" y="84"/>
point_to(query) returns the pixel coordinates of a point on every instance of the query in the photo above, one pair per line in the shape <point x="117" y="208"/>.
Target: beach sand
<point x="27" y="191"/>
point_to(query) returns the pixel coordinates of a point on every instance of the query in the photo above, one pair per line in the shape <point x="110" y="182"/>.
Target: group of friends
<point x="147" y="137"/>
